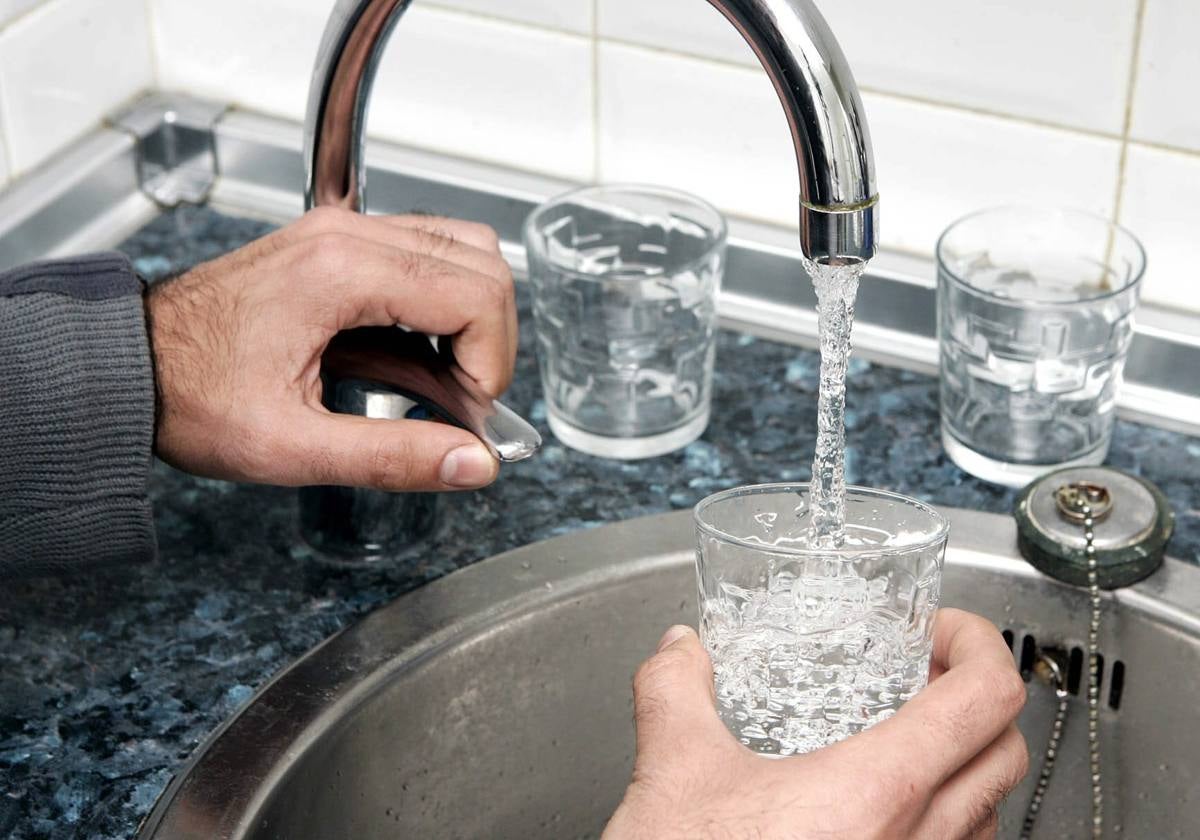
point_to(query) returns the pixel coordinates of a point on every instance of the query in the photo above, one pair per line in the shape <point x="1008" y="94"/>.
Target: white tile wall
<point x="63" y="66"/>
<point x="935" y="164"/>
<point x="714" y="130"/>
<point x="719" y="130"/>
<point x="1160" y="208"/>
<point x="970" y="103"/>
<point x="489" y="90"/>
<point x="482" y="88"/>
<point x="689" y="26"/>
<point x="257" y="54"/>
<point x="571" y="15"/>
<point x="1166" y="109"/>
<point x="1065" y="62"/>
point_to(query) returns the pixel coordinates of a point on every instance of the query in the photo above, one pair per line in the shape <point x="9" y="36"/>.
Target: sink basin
<point x="496" y="702"/>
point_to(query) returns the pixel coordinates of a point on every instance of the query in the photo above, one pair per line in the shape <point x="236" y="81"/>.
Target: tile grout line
<point x="10" y="171"/>
<point x="901" y="97"/>
<point x="5" y="141"/>
<point x="1127" y="127"/>
<point x="737" y="65"/>
<point x="597" y="40"/>
<point x="152" y="37"/>
<point x="596" y="91"/>
<point x="1184" y="151"/>
<point x="11" y="22"/>
<point x="978" y="111"/>
<point x="511" y="21"/>
<point x="6" y="153"/>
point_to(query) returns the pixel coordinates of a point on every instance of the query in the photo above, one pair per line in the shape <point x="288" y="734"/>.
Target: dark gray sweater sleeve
<point x="76" y="416"/>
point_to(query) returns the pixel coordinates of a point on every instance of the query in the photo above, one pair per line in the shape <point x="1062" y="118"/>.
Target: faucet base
<point x="352" y="524"/>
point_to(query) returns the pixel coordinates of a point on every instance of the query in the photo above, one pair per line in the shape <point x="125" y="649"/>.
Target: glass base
<point x="1009" y="474"/>
<point x="629" y="448"/>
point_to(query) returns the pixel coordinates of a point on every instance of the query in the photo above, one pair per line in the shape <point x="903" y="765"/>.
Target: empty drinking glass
<point x="811" y="645"/>
<point x="1035" y="317"/>
<point x="624" y="282"/>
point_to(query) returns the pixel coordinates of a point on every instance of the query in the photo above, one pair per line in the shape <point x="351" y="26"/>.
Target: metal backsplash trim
<point x="83" y="199"/>
<point x="88" y="198"/>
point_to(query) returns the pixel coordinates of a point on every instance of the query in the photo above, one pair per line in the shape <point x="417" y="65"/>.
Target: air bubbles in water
<point x="811" y="659"/>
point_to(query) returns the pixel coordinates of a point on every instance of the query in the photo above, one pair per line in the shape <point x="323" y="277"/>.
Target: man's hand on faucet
<point x="237" y="346"/>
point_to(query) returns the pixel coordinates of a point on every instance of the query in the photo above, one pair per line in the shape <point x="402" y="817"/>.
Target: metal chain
<point x="1060" y="720"/>
<point x="1084" y="512"/>
<point x="1093" y="697"/>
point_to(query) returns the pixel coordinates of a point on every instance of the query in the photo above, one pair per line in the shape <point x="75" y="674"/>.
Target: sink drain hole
<point x="1028" y="654"/>
<point x="1116" y="685"/>
<point x="1076" y="667"/>
<point x="1075" y="670"/>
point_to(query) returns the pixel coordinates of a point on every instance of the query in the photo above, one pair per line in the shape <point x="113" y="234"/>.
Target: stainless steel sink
<point x="496" y="702"/>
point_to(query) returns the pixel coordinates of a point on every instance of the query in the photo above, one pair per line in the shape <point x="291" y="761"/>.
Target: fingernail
<point x="672" y="636"/>
<point x="468" y="466"/>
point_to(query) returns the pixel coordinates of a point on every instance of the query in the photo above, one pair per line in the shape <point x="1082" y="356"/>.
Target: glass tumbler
<point x="811" y="645"/>
<point x="1035" y="317"/>
<point x="624" y="283"/>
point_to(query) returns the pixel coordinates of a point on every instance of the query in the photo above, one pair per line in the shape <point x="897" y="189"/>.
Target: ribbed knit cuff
<point x="76" y="416"/>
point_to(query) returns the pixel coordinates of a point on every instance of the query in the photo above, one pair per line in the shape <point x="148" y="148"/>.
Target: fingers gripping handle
<point x="405" y="363"/>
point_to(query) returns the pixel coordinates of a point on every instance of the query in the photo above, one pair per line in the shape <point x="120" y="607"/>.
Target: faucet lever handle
<point x="394" y="360"/>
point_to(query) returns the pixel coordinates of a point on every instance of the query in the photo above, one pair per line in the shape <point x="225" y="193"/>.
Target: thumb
<point x="673" y="696"/>
<point x="395" y="455"/>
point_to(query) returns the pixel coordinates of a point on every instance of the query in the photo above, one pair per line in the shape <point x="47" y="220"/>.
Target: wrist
<point x="162" y="333"/>
<point x="148" y="293"/>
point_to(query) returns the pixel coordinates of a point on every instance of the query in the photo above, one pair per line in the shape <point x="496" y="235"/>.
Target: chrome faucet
<point x="839" y="208"/>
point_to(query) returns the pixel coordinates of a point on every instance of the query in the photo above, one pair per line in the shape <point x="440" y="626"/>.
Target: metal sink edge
<point x="303" y="701"/>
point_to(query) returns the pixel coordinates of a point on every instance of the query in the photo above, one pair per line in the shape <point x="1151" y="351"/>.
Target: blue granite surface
<point x="110" y="679"/>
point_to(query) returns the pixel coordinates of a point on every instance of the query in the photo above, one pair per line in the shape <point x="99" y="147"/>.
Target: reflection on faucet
<point x="838" y="203"/>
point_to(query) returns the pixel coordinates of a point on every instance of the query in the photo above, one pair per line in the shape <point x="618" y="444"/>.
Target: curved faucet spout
<point x="335" y="126"/>
<point x="838" y="202"/>
<point x="838" y="222"/>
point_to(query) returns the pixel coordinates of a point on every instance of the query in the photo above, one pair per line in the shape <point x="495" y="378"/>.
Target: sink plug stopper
<point x="1133" y="522"/>
<point x="1094" y="527"/>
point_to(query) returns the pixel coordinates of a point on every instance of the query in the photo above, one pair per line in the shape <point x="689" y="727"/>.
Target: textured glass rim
<point x="533" y="244"/>
<point x="939" y="533"/>
<point x="1118" y="230"/>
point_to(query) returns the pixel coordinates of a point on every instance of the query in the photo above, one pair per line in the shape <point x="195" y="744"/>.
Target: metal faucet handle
<point x="392" y="360"/>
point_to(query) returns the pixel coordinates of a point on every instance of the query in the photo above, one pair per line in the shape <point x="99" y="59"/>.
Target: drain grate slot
<point x="1075" y="670"/>
<point x="1116" y="685"/>
<point x="1026" y="654"/>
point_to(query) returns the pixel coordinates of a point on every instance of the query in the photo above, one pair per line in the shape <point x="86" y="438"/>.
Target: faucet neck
<point x="838" y="202"/>
<point x="335" y="127"/>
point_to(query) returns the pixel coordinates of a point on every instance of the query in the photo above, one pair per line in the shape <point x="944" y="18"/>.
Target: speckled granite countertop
<point x="109" y="680"/>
